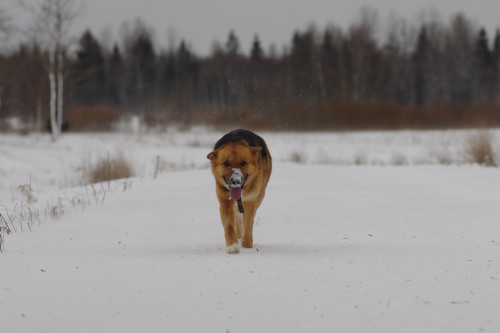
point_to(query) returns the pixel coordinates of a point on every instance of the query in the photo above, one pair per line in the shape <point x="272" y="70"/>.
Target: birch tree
<point x="51" y="28"/>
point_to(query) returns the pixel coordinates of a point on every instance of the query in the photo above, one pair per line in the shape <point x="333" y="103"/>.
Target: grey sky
<point x="201" y="22"/>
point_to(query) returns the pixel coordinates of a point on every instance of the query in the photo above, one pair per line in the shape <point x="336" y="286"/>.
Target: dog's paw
<point x="233" y="249"/>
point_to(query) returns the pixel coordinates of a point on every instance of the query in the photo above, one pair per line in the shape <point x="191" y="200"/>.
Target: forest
<point x="431" y="74"/>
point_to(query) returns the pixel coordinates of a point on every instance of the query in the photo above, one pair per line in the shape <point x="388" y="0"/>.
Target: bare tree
<point x="51" y="29"/>
<point x="364" y="54"/>
<point x="457" y="48"/>
<point x="400" y="41"/>
<point x="5" y="29"/>
<point x="5" y="24"/>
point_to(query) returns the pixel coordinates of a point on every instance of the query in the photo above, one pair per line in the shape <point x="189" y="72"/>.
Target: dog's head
<point x="235" y="165"/>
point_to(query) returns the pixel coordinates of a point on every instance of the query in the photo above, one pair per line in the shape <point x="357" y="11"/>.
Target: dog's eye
<point x="243" y="163"/>
<point x="226" y="164"/>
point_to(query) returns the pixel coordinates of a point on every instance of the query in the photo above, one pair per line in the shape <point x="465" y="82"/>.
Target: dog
<point x="241" y="165"/>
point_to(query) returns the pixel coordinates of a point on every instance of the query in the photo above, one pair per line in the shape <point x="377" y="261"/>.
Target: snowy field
<point x="359" y="232"/>
<point x="45" y="165"/>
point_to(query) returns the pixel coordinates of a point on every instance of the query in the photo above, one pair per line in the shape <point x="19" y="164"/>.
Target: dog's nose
<point x="236" y="179"/>
<point x="235" y="182"/>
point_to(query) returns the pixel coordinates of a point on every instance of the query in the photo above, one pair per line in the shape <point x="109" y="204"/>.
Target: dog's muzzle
<point x="236" y="179"/>
<point x="235" y="182"/>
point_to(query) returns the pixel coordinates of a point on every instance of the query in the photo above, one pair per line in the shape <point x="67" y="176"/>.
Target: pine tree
<point x="142" y="63"/>
<point x="496" y="48"/>
<point x="256" y="54"/>
<point x="168" y="75"/>
<point x="327" y="47"/>
<point x="421" y="57"/>
<point x="115" y="77"/>
<point x="232" y="45"/>
<point x="329" y="58"/>
<point x="485" y="68"/>
<point x="302" y="69"/>
<point x="89" y="71"/>
<point x="496" y="65"/>
<point x="484" y="55"/>
<point x="186" y="73"/>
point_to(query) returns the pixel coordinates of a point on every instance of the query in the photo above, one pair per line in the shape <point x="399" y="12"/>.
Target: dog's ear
<point x="212" y="156"/>
<point x="256" y="150"/>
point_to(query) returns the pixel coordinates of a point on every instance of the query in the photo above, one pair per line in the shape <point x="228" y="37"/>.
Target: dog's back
<point x="242" y="135"/>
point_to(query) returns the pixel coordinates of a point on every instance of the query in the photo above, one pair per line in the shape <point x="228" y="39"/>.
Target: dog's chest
<point x="250" y="196"/>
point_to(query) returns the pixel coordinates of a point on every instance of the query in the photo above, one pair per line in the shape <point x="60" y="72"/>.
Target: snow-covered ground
<point x="340" y="247"/>
<point x="36" y="160"/>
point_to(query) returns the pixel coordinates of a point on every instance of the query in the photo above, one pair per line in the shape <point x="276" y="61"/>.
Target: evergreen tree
<point x="421" y="57"/>
<point x="256" y="54"/>
<point x="232" y="45"/>
<point x="115" y="76"/>
<point x="329" y="58"/>
<point x="186" y="73"/>
<point x="485" y="68"/>
<point x="142" y="64"/>
<point x="496" y="64"/>
<point x="295" y="42"/>
<point x="184" y="58"/>
<point x="89" y="71"/>
<point x="456" y="57"/>
<point x="496" y="48"/>
<point x="327" y="47"/>
<point x="168" y="75"/>
<point x="484" y="55"/>
<point x="302" y="67"/>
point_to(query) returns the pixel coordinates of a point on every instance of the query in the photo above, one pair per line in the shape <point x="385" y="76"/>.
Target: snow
<point x="36" y="160"/>
<point x="338" y="248"/>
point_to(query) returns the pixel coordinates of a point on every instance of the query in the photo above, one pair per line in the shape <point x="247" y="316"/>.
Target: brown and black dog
<point x="241" y="164"/>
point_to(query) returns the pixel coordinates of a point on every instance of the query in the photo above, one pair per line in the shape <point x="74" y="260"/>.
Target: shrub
<point x="297" y="157"/>
<point x="110" y="169"/>
<point x="27" y="192"/>
<point x="480" y="148"/>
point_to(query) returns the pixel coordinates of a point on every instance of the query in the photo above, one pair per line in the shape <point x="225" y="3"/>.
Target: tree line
<point x="432" y="74"/>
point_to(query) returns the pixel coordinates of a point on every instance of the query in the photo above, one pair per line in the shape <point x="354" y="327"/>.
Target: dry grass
<point x="26" y="213"/>
<point x="443" y="157"/>
<point x="399" y="159"/>
<point x="27" y="192"/>
<point x="297" y="157"/>
<point x="360" y="159"/>
<point x="163" y="165"/>
<point x="55" y="210"/>
<point x="20" y="216"/>
<point x="110" y="169"/>
<point x="480" y="148"/>
<point x="92" y="118"/>
<point x="5" y="229"/>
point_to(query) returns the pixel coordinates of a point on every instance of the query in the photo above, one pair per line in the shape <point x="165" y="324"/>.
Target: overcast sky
<point x="201" y="22"/>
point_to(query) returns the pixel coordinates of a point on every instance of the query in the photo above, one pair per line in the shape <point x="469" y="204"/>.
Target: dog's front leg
<point x="228" y="222"/>
<point x="248" y="217"/>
